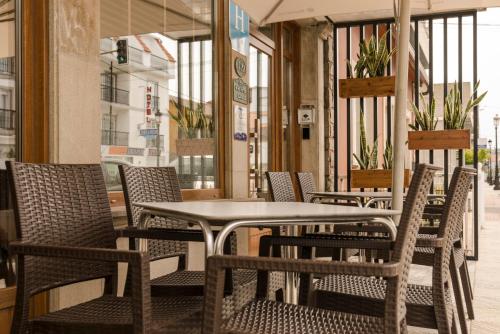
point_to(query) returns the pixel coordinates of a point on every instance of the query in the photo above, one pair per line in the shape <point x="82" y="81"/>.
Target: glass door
<point x="259" y="121"/>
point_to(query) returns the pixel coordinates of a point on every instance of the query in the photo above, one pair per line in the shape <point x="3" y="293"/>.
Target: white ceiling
<point x="269" y="11"/>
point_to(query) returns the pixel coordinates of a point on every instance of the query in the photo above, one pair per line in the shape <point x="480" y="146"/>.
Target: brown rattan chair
<point x="66" y="235"/>
<point x="305" y="180"/>
<point x="280" y="187"/>
<point x="427" y="306"/>
<point x="160" y="184"/>
<point x="264" y="316"/>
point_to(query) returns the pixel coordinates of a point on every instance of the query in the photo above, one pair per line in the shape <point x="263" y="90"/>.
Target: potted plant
<point x="195" y="131"/>
<point x="454" y="136"/>
<point x="377" y="178"/>
<point x="367" y="78"/>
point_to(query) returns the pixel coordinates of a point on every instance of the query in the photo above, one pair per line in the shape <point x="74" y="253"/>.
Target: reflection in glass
<point x="259" y="72"/>
<point x="7" y="133"/>
<point x="157" y="108"/>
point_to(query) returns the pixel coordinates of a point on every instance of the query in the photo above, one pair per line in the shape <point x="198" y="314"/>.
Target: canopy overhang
<point x="270" y="11"/>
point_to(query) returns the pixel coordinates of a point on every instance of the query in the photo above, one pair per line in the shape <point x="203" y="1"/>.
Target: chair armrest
<point x="429" y="242"/>
<point x="160" y="234"/>
<point x="77" y="253"/>
<point x="216" y="265"/>
<point x="139" y="267"/>
<point x="428" y="230"/>
<point x="222" y="262"/>
<point x="324" y="241"/>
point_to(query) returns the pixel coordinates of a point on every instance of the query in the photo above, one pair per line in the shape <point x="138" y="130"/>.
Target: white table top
<point x="362" y="194"/>
<point x="221" y="212"/>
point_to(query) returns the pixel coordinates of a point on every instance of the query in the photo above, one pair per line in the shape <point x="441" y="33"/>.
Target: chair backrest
<point x="405" y="243"/>
<point x="65" y="205"/>
<point x="306" y="185"/>
<point x="153" y="184"/>
<point x="452" y="218"/>
<point x="281" y="187"/>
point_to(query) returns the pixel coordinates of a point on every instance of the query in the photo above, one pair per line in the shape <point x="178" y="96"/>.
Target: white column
<point x="400" y="131"/>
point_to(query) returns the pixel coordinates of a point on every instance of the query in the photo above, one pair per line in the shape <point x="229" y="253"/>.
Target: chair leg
<point x="458" y="299"/>
<point x="466" y="285"/>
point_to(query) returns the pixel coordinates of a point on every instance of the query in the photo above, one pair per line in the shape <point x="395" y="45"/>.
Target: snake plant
<point x="425" y="117"/>
<point x="373" y="58"/>
<point x="387" y="164"/>
<point x="368" y="156"/>
<point x="455" y="114"/>
<point x="189" y="121"/>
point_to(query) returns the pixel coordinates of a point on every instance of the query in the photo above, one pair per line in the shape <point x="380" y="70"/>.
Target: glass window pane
<point x="157" y="105"/>
<point x="7" y="134"/>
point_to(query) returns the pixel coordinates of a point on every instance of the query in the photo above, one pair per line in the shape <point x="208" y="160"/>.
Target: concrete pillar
<point x="75" y="120"/>
<point x="312" y="93"/>
<point x="74" y="90"/>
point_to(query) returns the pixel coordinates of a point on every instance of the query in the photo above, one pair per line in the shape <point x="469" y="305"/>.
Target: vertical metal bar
<point x="202" y="100"/>
<point x="349" y="143"/>
<point x="335" y="112"/>
<point x="361" y="38"/>
<point x="431" y="81"/>
<point x="476" y="134"/>
<point x="375" y="100"/>
<point x="417" y="78"/>
<point x="445" y="93"/>
<point x="389" y="72"/>
<point x="460" y="78"/>
<point x="179" y="95"/>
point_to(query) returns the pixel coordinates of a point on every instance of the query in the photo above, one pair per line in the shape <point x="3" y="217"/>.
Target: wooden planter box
<point x="439" y="140"/>
<point x="375" y="178"/>
<point x="195" y="146"/>
<point x="367" y="87"/>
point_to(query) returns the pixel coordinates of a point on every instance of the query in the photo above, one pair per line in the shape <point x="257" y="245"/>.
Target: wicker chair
<point x="427" y="306"/>
<point x="158" y="184"/>
<point x="306" y="184"/>
<point x="280" y="187"/>
<point x="264" y="316"/>
<point x="66" y="235"/>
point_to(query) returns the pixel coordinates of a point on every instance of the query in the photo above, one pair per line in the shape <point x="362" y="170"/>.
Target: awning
<point x="269" y="11"/>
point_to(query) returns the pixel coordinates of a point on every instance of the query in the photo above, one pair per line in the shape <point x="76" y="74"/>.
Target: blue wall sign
<point x="239" y="29"/>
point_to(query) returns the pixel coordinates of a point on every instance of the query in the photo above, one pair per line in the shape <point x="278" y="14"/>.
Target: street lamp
<point x="158" y="122"/>
<point x="489" y="180"/>
<point x="496" y="122"/>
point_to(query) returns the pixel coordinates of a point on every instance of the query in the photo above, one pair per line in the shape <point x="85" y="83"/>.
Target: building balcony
<point x="115" y="95"/>
<point x="7" y="119"/>
<point x="7" y="66"/>
<point x="115" y="138"/>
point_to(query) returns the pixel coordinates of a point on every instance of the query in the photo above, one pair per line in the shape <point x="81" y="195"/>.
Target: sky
<point x="488" y="61"/>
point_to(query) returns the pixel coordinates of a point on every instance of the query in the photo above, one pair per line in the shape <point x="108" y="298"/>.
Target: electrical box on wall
<point x="306" y="115"/>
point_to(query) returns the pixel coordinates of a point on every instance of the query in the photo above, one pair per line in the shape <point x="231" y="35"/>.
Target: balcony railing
<point x="114" y="95"/>
<point x="7" y="65"/>
<point x="7" y="119"/>
<point x="115" y="138"/>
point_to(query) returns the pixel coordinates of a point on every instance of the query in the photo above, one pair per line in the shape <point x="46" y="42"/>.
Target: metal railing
<point x="7" y="65"/>
<point x="115" y="138"/>
<point x="7" y="119"/>
<point x="114" y="95"/>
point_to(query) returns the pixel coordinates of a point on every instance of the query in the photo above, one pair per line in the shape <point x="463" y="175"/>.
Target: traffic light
<point x="122" y="51"/>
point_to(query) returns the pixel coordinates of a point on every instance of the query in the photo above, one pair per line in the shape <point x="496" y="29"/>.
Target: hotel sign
<point x="239" y="29"/>
<point x="149" y="96"/>
<point x="240" y="91"/>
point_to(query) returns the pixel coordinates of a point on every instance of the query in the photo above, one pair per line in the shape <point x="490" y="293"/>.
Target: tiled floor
<point x="485" y="273"/>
